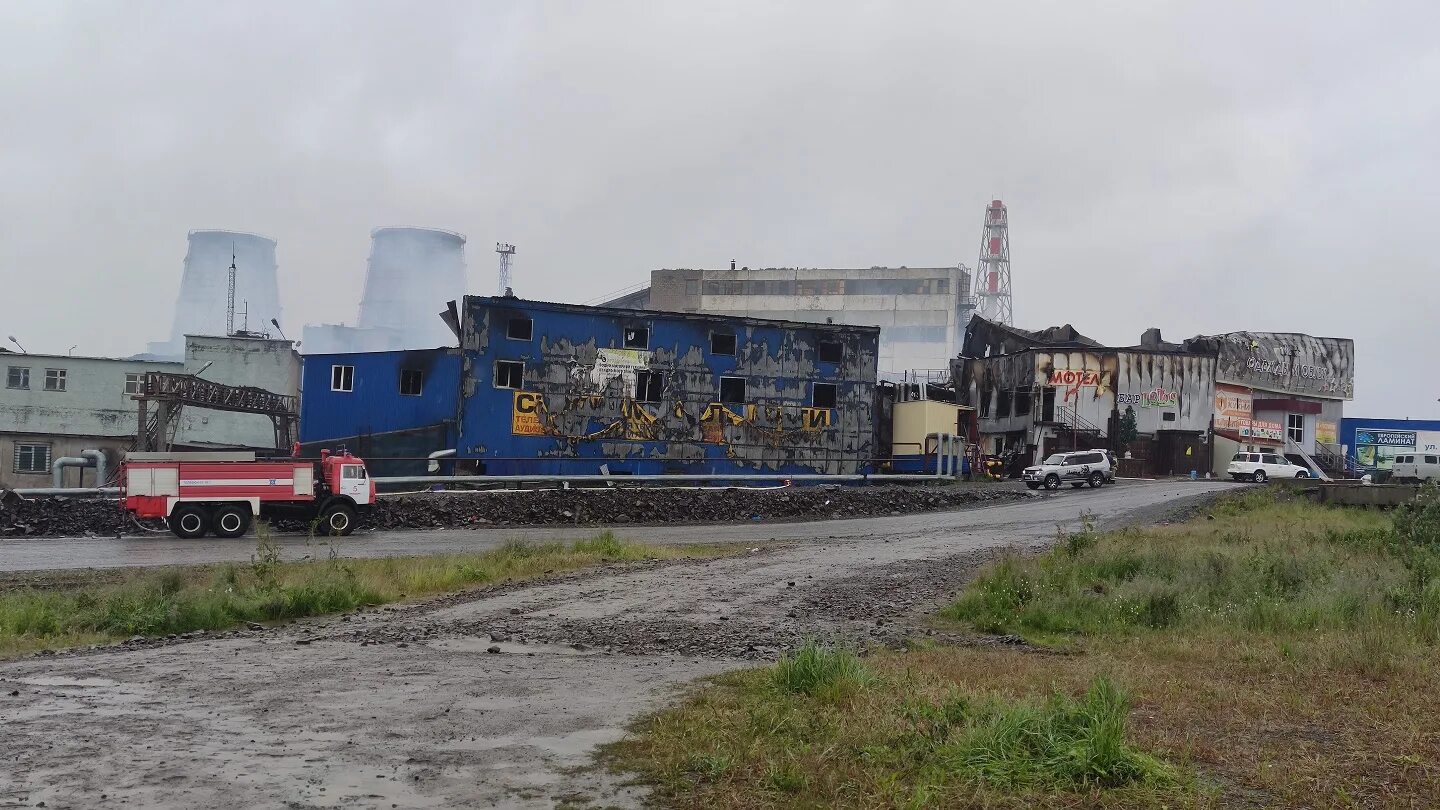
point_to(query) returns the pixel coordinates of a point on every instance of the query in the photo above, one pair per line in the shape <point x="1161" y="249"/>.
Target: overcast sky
<point x="1202" y="167"/>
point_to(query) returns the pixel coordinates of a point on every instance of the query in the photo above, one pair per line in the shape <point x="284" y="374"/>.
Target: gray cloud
<point x="1200" y="167"/>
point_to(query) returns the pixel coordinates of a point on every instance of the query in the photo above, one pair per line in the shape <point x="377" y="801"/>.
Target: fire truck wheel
<point x="338" y="519"/>
<point x="189" y="521"/>
<point x="232" y="521"/>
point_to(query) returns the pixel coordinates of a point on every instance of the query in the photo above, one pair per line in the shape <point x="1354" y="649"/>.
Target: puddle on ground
<point x="481" y="644"/>
<point x="56" y="680"/>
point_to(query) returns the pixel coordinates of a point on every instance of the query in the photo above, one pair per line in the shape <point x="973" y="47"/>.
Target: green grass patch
<point x="150" y="602"/>
<point x="824" y="728"/>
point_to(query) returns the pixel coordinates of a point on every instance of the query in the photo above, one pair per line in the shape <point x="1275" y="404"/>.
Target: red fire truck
<point x="223" y="492"/>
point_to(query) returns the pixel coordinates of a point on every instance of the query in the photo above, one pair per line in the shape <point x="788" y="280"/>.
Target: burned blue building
<point x="537" y="388"/>
<point x="382" y="406"/>
<point x="563" y="389"/>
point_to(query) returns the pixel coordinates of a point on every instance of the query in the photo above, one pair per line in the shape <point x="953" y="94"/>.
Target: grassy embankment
<point x="155" y="602"/>
<point x="1278" y="654"/>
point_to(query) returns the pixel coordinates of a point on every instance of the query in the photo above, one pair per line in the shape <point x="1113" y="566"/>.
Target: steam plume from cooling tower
<point x="412" y="273"/>
<point x="200" y="306"/>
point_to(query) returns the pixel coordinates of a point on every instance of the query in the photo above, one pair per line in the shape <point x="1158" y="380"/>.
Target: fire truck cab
<point x="222" y="493"/>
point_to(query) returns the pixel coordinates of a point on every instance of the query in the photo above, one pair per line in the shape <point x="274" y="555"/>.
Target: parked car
<point x="1093" y="467"/>
<point x="1413" y="468"/>
<point x="1262" y="466"/>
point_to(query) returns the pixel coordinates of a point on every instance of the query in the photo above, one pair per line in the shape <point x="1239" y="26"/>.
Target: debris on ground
<point x="75" y="517"/>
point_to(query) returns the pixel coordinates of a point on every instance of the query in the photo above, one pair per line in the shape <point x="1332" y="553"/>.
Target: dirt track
<point x="405" y="708"/>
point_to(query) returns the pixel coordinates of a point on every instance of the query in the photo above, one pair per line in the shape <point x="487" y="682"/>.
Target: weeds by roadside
<point x="1272" y="652"/>
<point x="180" y="600"/>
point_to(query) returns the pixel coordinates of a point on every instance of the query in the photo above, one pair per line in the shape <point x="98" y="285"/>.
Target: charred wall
<point x="590" y="392"/>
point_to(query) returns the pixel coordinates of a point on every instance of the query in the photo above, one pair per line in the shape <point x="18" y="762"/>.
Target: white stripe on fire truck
<point x="237" y="482"/>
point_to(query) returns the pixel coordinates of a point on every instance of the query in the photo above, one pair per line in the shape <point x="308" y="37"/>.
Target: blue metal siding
<point x="376" y="406"/>
<point x="1426" y="433"/>
<point x="587" y="412"/>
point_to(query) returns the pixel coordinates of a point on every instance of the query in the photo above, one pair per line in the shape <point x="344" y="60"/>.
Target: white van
<point x="1412" y="468"/>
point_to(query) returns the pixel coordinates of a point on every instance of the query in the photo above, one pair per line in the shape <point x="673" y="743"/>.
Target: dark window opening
<point x="649" y="386"/>
<point x="1002" y="408"/>
<point x="985" y="395"/>
<point x="342" y="378"/>
<point x="1022" y="402"/>
<point x="412" y="382"/>
<point x="509" y="374"/>
<point x="830" y="351"/>
<point x="1167" y="416"/>
<point x="824" y="395"/>
<point x="520" y="329"/>
<point x="17" y="377"/>
<point x="732" y="390"/>
<point x="722" y="343"/>
<point x="1047" y="404"/>
<point x="637" y="337"/>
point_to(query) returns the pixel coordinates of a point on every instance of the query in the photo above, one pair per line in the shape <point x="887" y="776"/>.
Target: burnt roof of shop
<point x="985" y="338"/>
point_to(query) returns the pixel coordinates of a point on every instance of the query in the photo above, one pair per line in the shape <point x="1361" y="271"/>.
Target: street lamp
<point x="17" y="343"/>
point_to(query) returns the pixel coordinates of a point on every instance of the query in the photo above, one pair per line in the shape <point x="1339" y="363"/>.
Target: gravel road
<point x="405" y="707"/>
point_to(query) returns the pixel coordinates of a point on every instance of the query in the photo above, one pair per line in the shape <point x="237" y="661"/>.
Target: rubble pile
<point x="599" y="507"/>
<point x="61" y="517"/>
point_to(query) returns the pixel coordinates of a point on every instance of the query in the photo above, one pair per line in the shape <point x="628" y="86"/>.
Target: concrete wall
<point x="58" y="447"/>
<point x="918" y="309"/>
<point x="271" y="365"/>
<point x="94" y="402"/>
<point x="578" y="406"/>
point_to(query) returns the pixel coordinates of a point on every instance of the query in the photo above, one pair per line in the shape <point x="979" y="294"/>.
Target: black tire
<point x="1052" y="481"/>
<point x="1259" y="477"/>
<point x="337" y="520"/>
<point x="1302" y="474"/>
<point x="1032" y="485"/>
<point x="189" y="521"/>
<point x="231" y="520"/>
<point x="1097" y="480"/>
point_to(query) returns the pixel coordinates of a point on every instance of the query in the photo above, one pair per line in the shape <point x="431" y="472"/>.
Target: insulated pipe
<point x="87" y="458"/>
<point x="100" y="465"/>
<point x="434" y="465"/>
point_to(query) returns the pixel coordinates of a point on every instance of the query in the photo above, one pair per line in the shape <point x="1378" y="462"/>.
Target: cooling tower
<point x="412" y="273"/>
<point x="200" y="307"/>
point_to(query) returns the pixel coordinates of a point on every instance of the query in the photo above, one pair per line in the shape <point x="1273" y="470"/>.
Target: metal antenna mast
<point x="230" y="296"/>
<point x="992" y="277"/>
<point x="506" y="251"/>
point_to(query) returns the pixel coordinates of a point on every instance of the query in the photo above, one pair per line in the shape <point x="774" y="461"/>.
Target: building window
<point x="54" y="379"/>
<point x="1022" y="402"/>
<point x="509" y="374"/>
<point x="637" y="337"/>
<point x="412" y="382"/>
<point x="692" y="287"/>
<point x="17" y="377"/>
<point x="732" y="390"/>
<point x="985" y="394"/>
<point x="1003" y="406"/>
<point x="823" y="395"/>
<point x="721" y="343"/>
<point x="132" y="383"/>
<point x="520" y="329"/>
<point x="830" y="351"/>
<point x="342" y="378"/>
<point x="1295" y="427"/>
<point x="1167" y="416"/>
<point x="32" y="458"/>
<point x="649" y="386"/>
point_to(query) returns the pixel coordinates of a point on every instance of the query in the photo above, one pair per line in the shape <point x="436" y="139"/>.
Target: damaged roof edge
<point x="636" y="314"/>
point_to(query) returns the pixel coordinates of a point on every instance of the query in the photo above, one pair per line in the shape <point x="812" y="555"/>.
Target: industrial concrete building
<point x="921" y="311"/>
<point x="1193" y="404"/>
<point x="58" y="406"/>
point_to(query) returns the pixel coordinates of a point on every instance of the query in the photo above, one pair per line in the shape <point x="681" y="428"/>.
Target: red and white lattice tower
<point x="992" y="276"/>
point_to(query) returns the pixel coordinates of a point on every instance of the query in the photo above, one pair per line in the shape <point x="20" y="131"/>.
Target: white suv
<point x="1262" y="466"/>
<point x="1093" y="467"/>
